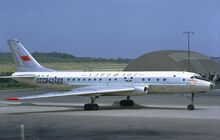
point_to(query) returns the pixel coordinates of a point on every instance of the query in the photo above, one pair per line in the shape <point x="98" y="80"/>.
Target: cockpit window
<point x="199" y="77"/>
<point x="192" y="77"/>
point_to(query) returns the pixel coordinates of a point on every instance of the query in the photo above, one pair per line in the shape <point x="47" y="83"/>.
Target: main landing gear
<point x="127" y="102"/>
<point x="92" y="105"/>
<point x="191" y="106"/>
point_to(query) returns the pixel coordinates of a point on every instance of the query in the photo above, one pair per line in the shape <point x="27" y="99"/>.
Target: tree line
<point x="6" y="58"/>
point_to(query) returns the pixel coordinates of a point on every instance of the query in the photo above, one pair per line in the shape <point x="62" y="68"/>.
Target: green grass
<point x="84" y="66"/>
<point x="7" y="67"/>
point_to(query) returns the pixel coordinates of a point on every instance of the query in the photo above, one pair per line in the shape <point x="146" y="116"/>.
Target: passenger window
<point x="73" y="79"/>
<point x="164" y="79"/>
<point x="184" y="79"/>
<point x="148" y="79"/>
<point x="68" y="79"/>
<point x="78" y="79"/>
<point x="158" y="79"/>
<point x="115" y="79"/>
<point x="174" y="75"/>
<point x="109" y="79"/>
<point x="143" y="79"/>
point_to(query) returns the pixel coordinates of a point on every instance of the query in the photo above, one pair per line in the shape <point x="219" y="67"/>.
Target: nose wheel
<point x="191" y="106"/>
<point x="92" y="105"/>
<point x="127" y="102"/>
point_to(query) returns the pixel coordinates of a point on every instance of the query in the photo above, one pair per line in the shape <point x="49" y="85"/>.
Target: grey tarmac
<point x="152" y="117"/>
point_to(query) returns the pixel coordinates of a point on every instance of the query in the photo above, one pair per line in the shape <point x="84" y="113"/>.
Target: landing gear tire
<point x="87" y="106"/>
<point x="123" y="102"/>
<point x="130" y="102"/>
<point x="190" y="107"/>
<point x="91" y="107"/>
<point x="126" y="102"/>
<point x="95" y="107"/>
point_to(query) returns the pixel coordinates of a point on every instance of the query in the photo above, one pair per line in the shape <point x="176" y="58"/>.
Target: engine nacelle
<point x="141" y="90"/>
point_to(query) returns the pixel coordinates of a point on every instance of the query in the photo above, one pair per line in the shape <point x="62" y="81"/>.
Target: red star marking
<point x="25" y="58"/>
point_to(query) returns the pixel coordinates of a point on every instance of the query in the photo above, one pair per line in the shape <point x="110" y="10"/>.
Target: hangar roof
<point x="174" y="60"/>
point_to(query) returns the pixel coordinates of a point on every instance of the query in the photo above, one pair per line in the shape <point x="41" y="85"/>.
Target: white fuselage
<point x="144" y="82"/>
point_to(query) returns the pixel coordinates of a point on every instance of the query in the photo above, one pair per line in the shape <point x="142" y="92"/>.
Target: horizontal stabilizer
<point x="17" y="76"/>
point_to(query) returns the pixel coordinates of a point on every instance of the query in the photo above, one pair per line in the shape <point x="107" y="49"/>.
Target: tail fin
<point x="23" y="59"/>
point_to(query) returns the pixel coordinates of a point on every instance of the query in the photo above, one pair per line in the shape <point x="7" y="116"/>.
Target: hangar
<point x="175" y="60"/>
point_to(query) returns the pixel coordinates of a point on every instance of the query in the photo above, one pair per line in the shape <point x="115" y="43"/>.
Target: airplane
<point x="102" y="83"/>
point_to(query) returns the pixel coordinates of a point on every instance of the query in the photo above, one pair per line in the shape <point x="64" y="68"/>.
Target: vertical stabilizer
<point x="23" y="59"/>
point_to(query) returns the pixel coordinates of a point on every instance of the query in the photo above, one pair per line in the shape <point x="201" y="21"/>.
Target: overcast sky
<point x="111" y="28"/>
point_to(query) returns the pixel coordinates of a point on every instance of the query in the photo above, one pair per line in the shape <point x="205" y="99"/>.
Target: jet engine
<point x="141" y="90"/>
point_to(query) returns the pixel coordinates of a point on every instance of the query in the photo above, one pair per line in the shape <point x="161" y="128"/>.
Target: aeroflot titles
<point x="112" y="74"/>
<point x="56" y="80"/>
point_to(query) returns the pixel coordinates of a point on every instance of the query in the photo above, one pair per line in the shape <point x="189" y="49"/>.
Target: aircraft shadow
<point x="114" y="106"/>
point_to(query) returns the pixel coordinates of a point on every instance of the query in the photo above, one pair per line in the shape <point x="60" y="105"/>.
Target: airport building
<point x="173" y="60"/>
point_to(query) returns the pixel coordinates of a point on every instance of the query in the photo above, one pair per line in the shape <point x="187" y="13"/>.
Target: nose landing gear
<point x="191" y="106"/>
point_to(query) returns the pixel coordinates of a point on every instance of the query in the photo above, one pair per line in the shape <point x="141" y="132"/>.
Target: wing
<point x="86" y="91"/>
